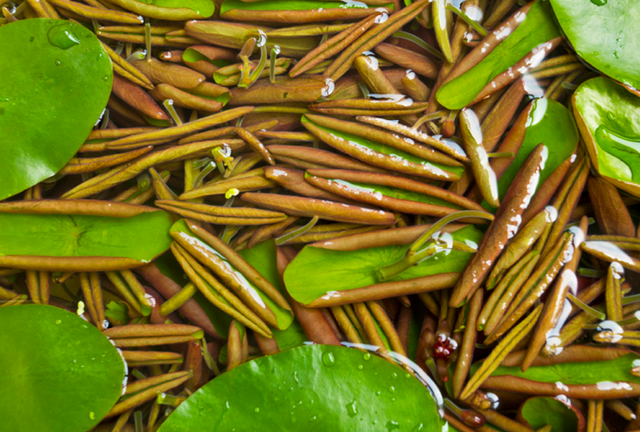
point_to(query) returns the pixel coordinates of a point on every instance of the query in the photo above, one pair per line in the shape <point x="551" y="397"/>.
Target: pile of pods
<point x="445" y="183"/>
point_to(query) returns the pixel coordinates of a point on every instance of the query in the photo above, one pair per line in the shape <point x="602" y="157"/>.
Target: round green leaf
<point x="615" y="52"/>
<point x="542" y="411"/>
<point x="56" y="79"/>
<point x="310" y="388"/>
<point x="608" y="117"/>
<point x="59" y="373"/>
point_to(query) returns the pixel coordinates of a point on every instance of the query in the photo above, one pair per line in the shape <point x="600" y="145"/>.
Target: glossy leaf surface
<point x="298" y="389"/>
<point x="141" y="237"/>
<point x="56" y="79"/>
<point x="316" y="271"/>
<point x="59" y="372"/>
<point x="537" y="28"/>
<point x="542" y="411"/>
<point x="549" y="123"/>
<point x="613" y="52"/>
<point x="609" y="120"/>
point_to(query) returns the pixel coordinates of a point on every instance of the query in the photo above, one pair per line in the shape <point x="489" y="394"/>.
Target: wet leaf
<point x="549" y="123"/>
<point x="56" y="79"/>
<point x="297" y="388"/>
<point x="316" y="271"/>
<point x="542" y="411"/>
<point x="608" y="117"/>
<point x="59" y="372"/>
<point x="141" y="237"/>
<point x="614" y="52"/>
<point x="536" y="29"/>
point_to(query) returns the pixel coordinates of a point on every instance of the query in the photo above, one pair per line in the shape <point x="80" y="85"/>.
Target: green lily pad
<point x="59" y="372"/>
<point x="263" y="257"/>
<point x="551" y="124"/>
<point x="313" y="387"/>
<point x="141" y="237"/>
<point x="608" y="117"/>
<point x="537" y="28"/>
<point x="613" y="52"/>
<point x="316" y="271"/>
<point x="56" y="80"/>
<point x="542" y="411"/>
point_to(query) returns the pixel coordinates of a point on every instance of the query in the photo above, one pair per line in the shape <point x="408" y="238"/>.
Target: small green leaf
<point x="608" y="117"/>
<point x="59" y="372"/>
<point x="263" y="258"/>
<point x="117" y="311"/>
<point x="615" y="51"/>
<point x="537" y="28"/>
<point x="141" y="237"/>
<point x="311" y="388"/>
<point x="542" y="411"/>
<point x="316" y="271"/>
<point x="56" y="80"/>
<point x="551" y="124"/>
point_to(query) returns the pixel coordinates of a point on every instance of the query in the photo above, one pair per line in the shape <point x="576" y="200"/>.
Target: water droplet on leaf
<point x="62" y="37"/>
<point x="328" y="359"/>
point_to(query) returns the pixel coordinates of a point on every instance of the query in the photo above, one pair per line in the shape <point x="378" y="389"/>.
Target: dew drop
<point x="599" y="2"/>
<point x="392" y="389"/>
<point x="62" y="37"/>
<point x="360" y="367"/>
<point x="105" y="78"/>
<point x="92" y="415"/>
<point x="366" y="356"/>
<point x="392" y="425"/>
<point x="328" y="359"/>
<point x="352" y="409"/>
<point x="256" y="410"/>
<point x="58" y="322"/>
<point x="58" y="62"/>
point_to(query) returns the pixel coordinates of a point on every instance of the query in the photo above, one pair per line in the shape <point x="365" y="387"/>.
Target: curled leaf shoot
<point x="250" y="75"/>
<point x="416" y="253"/>
<point x="429" y="117"/>
<point x="275" y="50"/>
<point x="144" y="181"/>
<point x="295" y="233"/>
<point x="168" y="104"/>
<point x="586" y="308"/>
<point x="223" y="159"/>
<point x="474" y="24"/>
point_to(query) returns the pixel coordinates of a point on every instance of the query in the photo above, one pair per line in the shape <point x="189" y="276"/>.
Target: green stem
<point x="476" y="26"/>
<point x="295" y="233"/>
<point x="588" y="309"/>
<point x="414" y="254"/>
